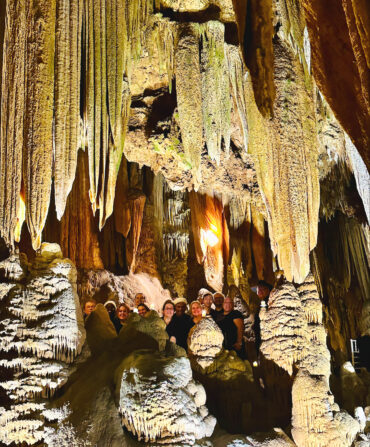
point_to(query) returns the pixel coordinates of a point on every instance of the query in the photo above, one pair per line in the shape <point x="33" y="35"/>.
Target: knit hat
<point x="203" y="292"/>
<point x="180" y="300"/>
<point x="110" y="302"/>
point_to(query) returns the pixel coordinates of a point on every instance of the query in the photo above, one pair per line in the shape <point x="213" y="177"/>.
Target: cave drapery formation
<point x="166" y="146"/>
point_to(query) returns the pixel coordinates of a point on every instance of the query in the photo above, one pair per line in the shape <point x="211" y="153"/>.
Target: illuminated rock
<point x="205" y="341"/>
<point x="158" y="400"/>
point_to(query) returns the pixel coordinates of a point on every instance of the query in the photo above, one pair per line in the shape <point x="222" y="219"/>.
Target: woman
<point x="143" y="310"/>
<point x="123" y="312"/>
<point x="232" y="325"/>
<point x="196" y="311"/>
<point x="168" y="310"/>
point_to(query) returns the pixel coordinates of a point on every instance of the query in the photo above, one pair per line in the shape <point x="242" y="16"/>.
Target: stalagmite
<point x="67" y="119"/>
<point x="12" y="117"/>
<point x="216" y="104"/>
<point x="38" y="122"/>
<point x="189" y="96"/>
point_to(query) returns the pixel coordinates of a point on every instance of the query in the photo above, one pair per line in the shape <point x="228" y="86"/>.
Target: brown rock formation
<point x="340" y="63"/>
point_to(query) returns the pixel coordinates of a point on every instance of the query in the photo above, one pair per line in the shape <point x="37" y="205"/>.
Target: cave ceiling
<point x="244" y="101"/>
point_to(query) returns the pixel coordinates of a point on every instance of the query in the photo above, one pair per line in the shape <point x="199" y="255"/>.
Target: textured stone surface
<point x="41" y="335"/>
<point x="159" y="401"/>
<point x="205" y="341"/>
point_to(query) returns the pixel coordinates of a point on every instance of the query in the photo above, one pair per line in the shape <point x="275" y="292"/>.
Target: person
<point x="201" y="294"/>
<point x="263" y="293"/>
<point x="196" y="311"/>
<point x="111" y="307"/>
<point x="180" y="325"/>
<point x="168" y="310"/>
<point x="218" y="299"/>
<point x="207" y="303"/>
<point x="139" y="299"/>
<point x="123" y="312"/>
<point x="143" y="309"/>
<point x="89" y="307"/>
<point x="232" y="325"/>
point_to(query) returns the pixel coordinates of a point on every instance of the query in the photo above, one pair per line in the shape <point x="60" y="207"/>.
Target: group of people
<point x="179" y="322"/>
<point x="118" y="314"/>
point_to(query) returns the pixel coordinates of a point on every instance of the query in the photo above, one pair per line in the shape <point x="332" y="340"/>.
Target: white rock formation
<point x="41" y="331"/>
<point x="158" y="400"/>
<point x="293" y="335"/>
<point x="205" y="341"/>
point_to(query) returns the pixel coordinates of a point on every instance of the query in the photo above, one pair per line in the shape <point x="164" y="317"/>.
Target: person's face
<point x="142" y="311"/>
<point x="228" y="304"/>
<point x="139" y="299"/>
<point x="207" y="301"/>
<point x="262" y="292"/>
<point x="110" y="308"/>
<point x="168" y="310"/>
<point x="180" y="309"/>
<point x="219" y="301"/>
<point x="89" y="307"/>
<point x="196" y="310"/>
<point x="122" y="313"/>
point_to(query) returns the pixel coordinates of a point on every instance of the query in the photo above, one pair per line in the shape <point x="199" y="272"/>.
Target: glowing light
<point x="152" y="306"/>
<point x="255" y="364"/>
<point x="208" y="238"/>
<point x="20" y="219"/>
<point x="135" y="310"/>
<point x="204" y="313"/>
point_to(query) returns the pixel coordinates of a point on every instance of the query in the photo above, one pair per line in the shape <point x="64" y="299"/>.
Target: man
<point x="218" y="299"/>
<point x="89" y="307"/>
<point x="207" y="303"/>
<point x="111" y="307"/>
<point x="180" y="324"/>
<point x="232" y="325"/>
<point x="201" y="295"/>
<point x="139" y="299"/>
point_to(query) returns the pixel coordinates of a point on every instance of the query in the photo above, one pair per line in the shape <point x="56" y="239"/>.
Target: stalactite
<point x="216" y="104"/>
<point x="189" y="96"/>
<point x="122" y="213"/>
<point x="255" y="34"/>
<point x="340" y="63"/>
<point x="12" y="116"/>
<point x="211" y="236"/>
<point x="96" y="97"/>
<point x="38" y="123"/>
<point x="287" y="174"/>
<point x="258" y="242"/>
<point x="137" y="203"/>
<point x="163" y="35"/>
<point x="237" y="73"/>
<point x="114" y="32"/>
<point x="79" y="235"/>
<point x="67" y="98"/>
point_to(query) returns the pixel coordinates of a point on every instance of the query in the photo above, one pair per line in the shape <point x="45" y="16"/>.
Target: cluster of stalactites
<point x="41" y="126"/>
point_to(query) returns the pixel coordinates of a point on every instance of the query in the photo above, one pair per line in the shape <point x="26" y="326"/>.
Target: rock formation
<point x="42" y="333"/>
<point x="167" y="146"/>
